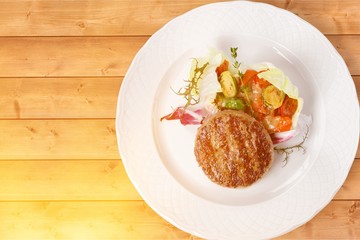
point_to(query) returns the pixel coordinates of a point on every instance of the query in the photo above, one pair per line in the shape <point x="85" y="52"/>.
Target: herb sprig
<point x="243" y="88"/>
<point x="236" y="63"/>
<point x="288" y="150"/>
<point x="191" y="91"/>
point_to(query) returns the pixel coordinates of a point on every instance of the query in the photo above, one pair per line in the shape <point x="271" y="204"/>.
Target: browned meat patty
<point x="233" y="149"/>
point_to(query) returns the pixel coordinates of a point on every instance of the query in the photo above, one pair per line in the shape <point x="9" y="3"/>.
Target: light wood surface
<point x="61" y="68"/>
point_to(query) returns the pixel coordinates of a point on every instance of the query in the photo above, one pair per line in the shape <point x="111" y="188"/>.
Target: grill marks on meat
<point x="233" y="149"/>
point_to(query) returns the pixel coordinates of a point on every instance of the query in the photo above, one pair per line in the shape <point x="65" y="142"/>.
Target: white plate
<point x="158" y="156"/>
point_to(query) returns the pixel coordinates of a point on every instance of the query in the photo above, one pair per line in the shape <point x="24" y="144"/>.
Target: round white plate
<point x="158" y="156"/>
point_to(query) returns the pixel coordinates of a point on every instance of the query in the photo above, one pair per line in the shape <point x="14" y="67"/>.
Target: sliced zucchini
<point x="273" y="96"/>
<point x="228" y="84"/>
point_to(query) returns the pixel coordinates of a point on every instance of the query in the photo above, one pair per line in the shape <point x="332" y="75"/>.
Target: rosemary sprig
<point x="191" y="91"/>
<point x="288" y="150"/>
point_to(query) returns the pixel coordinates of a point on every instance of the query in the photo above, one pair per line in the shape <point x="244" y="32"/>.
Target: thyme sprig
<point x="191" y="91"/>
<point x="243" y="88"/>
<point x="288" y="150"/>
<point x="236" y="63"/>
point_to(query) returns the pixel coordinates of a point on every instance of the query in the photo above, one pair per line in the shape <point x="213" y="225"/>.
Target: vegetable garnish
<point x="191" y="91"/>
<point x="273" y="96"/>
<point x="244" y="89"/>
<point x="236" y="63"/>
<point x="288" y="150"/>
<point x="228" y="103"/>
<point x="228" y="84"/>
<point x="185" y="116"/>
<point x="263" y="91"/>
<point x="191" y="94"/>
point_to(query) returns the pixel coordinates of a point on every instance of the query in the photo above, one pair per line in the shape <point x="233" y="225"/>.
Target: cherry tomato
<point x="275" y="124"/>
<point x="222" y="68"/>
<point x="262" y="82"/>
<point x="259" y="106"/>
<point x="248" y="76"/>
<point x="284" y="124"/>
<point x="289" y="107"/>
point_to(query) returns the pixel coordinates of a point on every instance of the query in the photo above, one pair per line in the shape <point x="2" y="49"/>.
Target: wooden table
<point x="61" y="67"/>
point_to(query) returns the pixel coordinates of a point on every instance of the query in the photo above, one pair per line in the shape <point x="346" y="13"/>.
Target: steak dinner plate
<point x="159" y="155"/>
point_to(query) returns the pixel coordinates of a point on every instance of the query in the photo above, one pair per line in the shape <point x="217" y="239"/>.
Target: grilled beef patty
<point x="233" y="149"/>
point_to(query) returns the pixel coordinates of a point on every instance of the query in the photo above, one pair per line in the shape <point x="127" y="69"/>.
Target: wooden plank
<point x="144" y="17"/>
<point x="135" y="220"/>
<point x="101" y="56"/>
<point x="67" y="56"/>
<point x="33" y="98"/>
<point x="349" y="49"/>
<point x="89" y="17"/>
<point x="348" y="191"/>
<point x="91" y="180"/>
<point x="65" y="180"/>
<point x="83" y="220"/>
<point x="357" y="84"/>
<point x="330" y="17"/>
<point x="59" y="97"/>
<point x="339" y="220"/>
<point x="58" y="139"/>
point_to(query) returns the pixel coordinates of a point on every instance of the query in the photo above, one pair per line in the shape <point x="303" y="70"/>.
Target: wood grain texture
<point x="135" y="220"/>
<point x="69" y="56"/>
<point x="101" y="56"/>
<point x="339" y="220"/>
<point x="89" y="17"/>
<point x="357" y="84"/>
<point x="144" y="17"/>
<point x="49" y="98"/>
<point x="65" y="180"/>
<point x="83" y="220"/>
<point x="58" y="139"/>
<point x="349" y="189"/>
<point x="349" y="49"/>
<point x="24" y="98"/>
<point x="330" y="17"/>
<point x="69" y="180"/>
